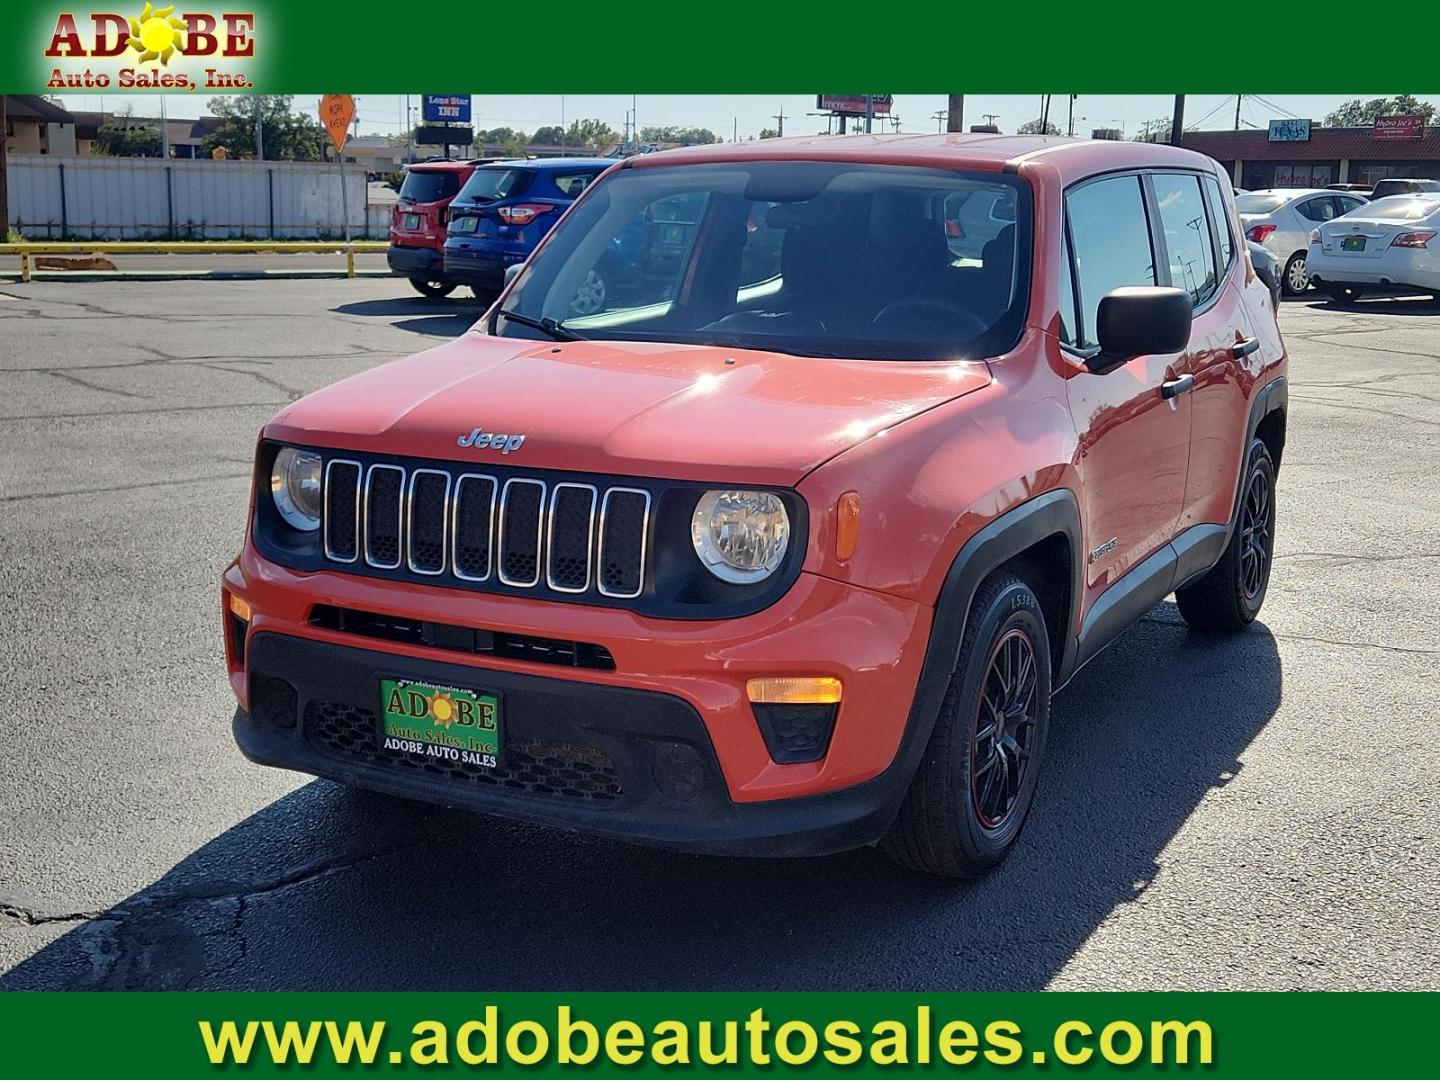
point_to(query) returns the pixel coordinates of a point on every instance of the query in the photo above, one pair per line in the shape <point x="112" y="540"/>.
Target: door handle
<point x="1175" y="387"/>
<point x="1244" y="348"/>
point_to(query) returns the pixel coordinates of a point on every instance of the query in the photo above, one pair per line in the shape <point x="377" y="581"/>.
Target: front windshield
<point x="816" y="259"/>
<point x="1260" y="202"/>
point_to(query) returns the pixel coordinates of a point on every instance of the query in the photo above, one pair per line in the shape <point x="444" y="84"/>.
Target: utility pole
<point x="4" y="178"/>
<point x="869" y="112"/>
<point x="1238" y="99"/>
<point x="939" y="116"/>
<point x="1045" y="114"/>
<point x="734" y="129"/>
<point x="779" y="118"/>
<point x="164" y="131"/>
<point x="1177" y="124"/>
<point x="1070" y="125"/>
<point x="990" y="118"/>
<point x="955" y="113"/>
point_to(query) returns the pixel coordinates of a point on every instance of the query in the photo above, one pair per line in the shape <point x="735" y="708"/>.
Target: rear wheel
<point x="1345" y="294"/>
<point x="972" y="792"/>
<point x="1229" y="595"/>
<point x="1296" y="278"/>
<point x="433" y="287"/>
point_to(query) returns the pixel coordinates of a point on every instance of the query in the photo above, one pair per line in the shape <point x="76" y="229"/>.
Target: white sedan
<point x="1393" y="243"/>
<point x="1280" y="220"/>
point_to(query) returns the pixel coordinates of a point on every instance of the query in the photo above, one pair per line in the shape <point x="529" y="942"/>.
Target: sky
<point x="745" y="115"/>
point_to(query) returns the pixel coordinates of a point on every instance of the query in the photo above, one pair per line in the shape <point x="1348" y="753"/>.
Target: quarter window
<point x="1321" y="209"/>
<point x="1111" y="242"/>
<point x="1187" y="234"/>
<point x="1221" y="217"/>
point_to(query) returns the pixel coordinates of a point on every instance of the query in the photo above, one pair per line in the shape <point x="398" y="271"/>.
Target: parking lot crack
<point x="31" y="916"/>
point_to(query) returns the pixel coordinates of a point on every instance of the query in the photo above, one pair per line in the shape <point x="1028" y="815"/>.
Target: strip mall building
<point x="1329" y="156"/>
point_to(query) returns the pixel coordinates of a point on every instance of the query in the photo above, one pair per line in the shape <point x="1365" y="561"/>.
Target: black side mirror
<point x="1140" y="320"/>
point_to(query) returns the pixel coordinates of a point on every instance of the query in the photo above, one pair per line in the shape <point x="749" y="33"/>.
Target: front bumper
<point x="630" y="764"/>
<point x="675" y="704"/>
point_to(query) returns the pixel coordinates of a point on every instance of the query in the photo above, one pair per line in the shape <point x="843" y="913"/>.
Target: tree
<point x="1157" y="130"/>
<point x="1037" y="127"/>
<point x="1360" y="113"/>
<point x="511" y="142"/>
<point x="286" y="134"/>
<point x="690" y="136"/>
<point x="589" y="133"/>
<point x="122" y="136"/>
<point x="549" y="135"/>
<point x="769" y="133"/>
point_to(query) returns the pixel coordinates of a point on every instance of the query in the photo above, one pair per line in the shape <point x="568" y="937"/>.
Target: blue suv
<point x="503" y="212"/>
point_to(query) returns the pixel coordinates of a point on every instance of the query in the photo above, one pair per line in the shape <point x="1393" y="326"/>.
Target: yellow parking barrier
<point x="27" y="249"/>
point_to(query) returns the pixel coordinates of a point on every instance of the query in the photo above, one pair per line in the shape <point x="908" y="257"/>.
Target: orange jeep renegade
<point x="872" y="444"/>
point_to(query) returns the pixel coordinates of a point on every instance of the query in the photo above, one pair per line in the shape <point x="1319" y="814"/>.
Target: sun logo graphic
<point x="442" y="709"/>
<point x="157" y="34"/>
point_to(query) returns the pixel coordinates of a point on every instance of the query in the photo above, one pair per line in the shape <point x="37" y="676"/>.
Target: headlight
<point x="740" y="536"/>
<point x="295" y="487"/>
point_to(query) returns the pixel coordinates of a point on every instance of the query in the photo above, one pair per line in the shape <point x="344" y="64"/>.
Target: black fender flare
<point x="1056" y="512"/>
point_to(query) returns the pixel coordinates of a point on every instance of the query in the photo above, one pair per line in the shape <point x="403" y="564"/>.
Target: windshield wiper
<point x="553" y="327"/>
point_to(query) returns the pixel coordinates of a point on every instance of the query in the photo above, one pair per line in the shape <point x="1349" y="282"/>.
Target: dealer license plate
<point x="442" y="723"/>
<point x="412" y="221"/>
<point x="465" y="224"/>
<point x="1352" y="243"/>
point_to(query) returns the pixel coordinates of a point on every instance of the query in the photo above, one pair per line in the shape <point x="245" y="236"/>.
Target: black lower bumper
<point x="481" y="273"/>
<point x="632" y="764"/>
<point x="415" y="261"/>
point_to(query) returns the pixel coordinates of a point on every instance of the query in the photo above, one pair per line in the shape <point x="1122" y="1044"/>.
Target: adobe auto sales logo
<point x="155" y="49"/>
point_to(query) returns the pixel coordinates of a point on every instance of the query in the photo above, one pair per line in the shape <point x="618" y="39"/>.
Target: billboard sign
<point x="1289" y="130"/>
<point x="1399" y="127"/>
<point x="853" y="104"/>
<point x="445" y="108"/>
<point x="444" y="136"/>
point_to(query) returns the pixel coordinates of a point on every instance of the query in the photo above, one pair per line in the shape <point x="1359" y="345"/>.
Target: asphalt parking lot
<point x="1255" y="812"/>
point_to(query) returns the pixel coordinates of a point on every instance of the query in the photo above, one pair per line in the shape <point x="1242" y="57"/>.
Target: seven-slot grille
<point x="518" y="532"/>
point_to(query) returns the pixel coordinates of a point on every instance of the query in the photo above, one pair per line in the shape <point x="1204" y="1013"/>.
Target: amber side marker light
<point x="820" y="690"/>
<point x="847" y="525"/>
<point x="240" y="608"/>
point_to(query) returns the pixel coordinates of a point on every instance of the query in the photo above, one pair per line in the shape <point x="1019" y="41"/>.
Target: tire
<point x="1294" y="281"/>
<point x="953" y="822"/>
<point x="433" y="287"/>
<point x="1345" y="294"/>
<point x="1229" y="595"/>
<point x="486" y="294"/>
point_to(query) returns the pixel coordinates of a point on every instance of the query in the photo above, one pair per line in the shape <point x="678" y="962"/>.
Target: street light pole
<point x="955" y="113"/>
<point x="1177" y="123"/>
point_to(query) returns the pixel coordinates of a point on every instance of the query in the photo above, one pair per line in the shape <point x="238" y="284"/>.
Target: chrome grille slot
<point x="426" y="510"/>
<point x="624" y="521"/>
<point x="473" y="517"/>
<point x="522" y="511"/>
<point x="570" y="537"/>
<point x="563" y="538"/>
<point x="384" y="488"/>
<point x="342" y="510"/>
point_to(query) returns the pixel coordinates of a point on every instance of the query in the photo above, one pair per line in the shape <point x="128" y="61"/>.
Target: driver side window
<point x="1110" y="237"/>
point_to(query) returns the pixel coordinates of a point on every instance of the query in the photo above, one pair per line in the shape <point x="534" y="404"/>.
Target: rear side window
<point x="1187" y="234"/>
<point x="1110" y="238"/>
<point x="572" y="184"/>
<point x="491" y="185"/>
<point x="1221" y="218"/>
<point x="428" y="187"/>
<point x="1321" y="209"/>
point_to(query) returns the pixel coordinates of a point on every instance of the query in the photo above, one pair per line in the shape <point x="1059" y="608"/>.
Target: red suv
<point x="784" y="549"/>
<point x="417" y="224"/>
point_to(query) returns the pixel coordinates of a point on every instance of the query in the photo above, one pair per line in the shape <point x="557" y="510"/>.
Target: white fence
<point x="99" y="198"/>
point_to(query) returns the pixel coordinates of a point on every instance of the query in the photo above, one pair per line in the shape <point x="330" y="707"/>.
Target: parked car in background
<point x="1281" y="220"/>
<point x="1268" y="268"/>
<point x="1383" y="189"/>
<point x="1392" y="243"/>
<point x="503" y="212"/>
<point x="1359" y="189"/>
<point x="417" y="224"/>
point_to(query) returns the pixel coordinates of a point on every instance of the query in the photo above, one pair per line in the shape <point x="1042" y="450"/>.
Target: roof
<point x="1070" y="158"/>
<point x="545" y="164"/>
<point x="34" y="107"/>
<point x="1326" y="144"/>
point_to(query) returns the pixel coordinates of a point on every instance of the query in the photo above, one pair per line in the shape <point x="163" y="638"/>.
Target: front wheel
<point x="972" y="792"/>
<point x="433" y="287"/>
<point x="1296" y="278"/>
<point x="1229" y="595"/>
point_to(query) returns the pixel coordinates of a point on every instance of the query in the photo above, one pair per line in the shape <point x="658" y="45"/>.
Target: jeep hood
<point x="643" y="409"/>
